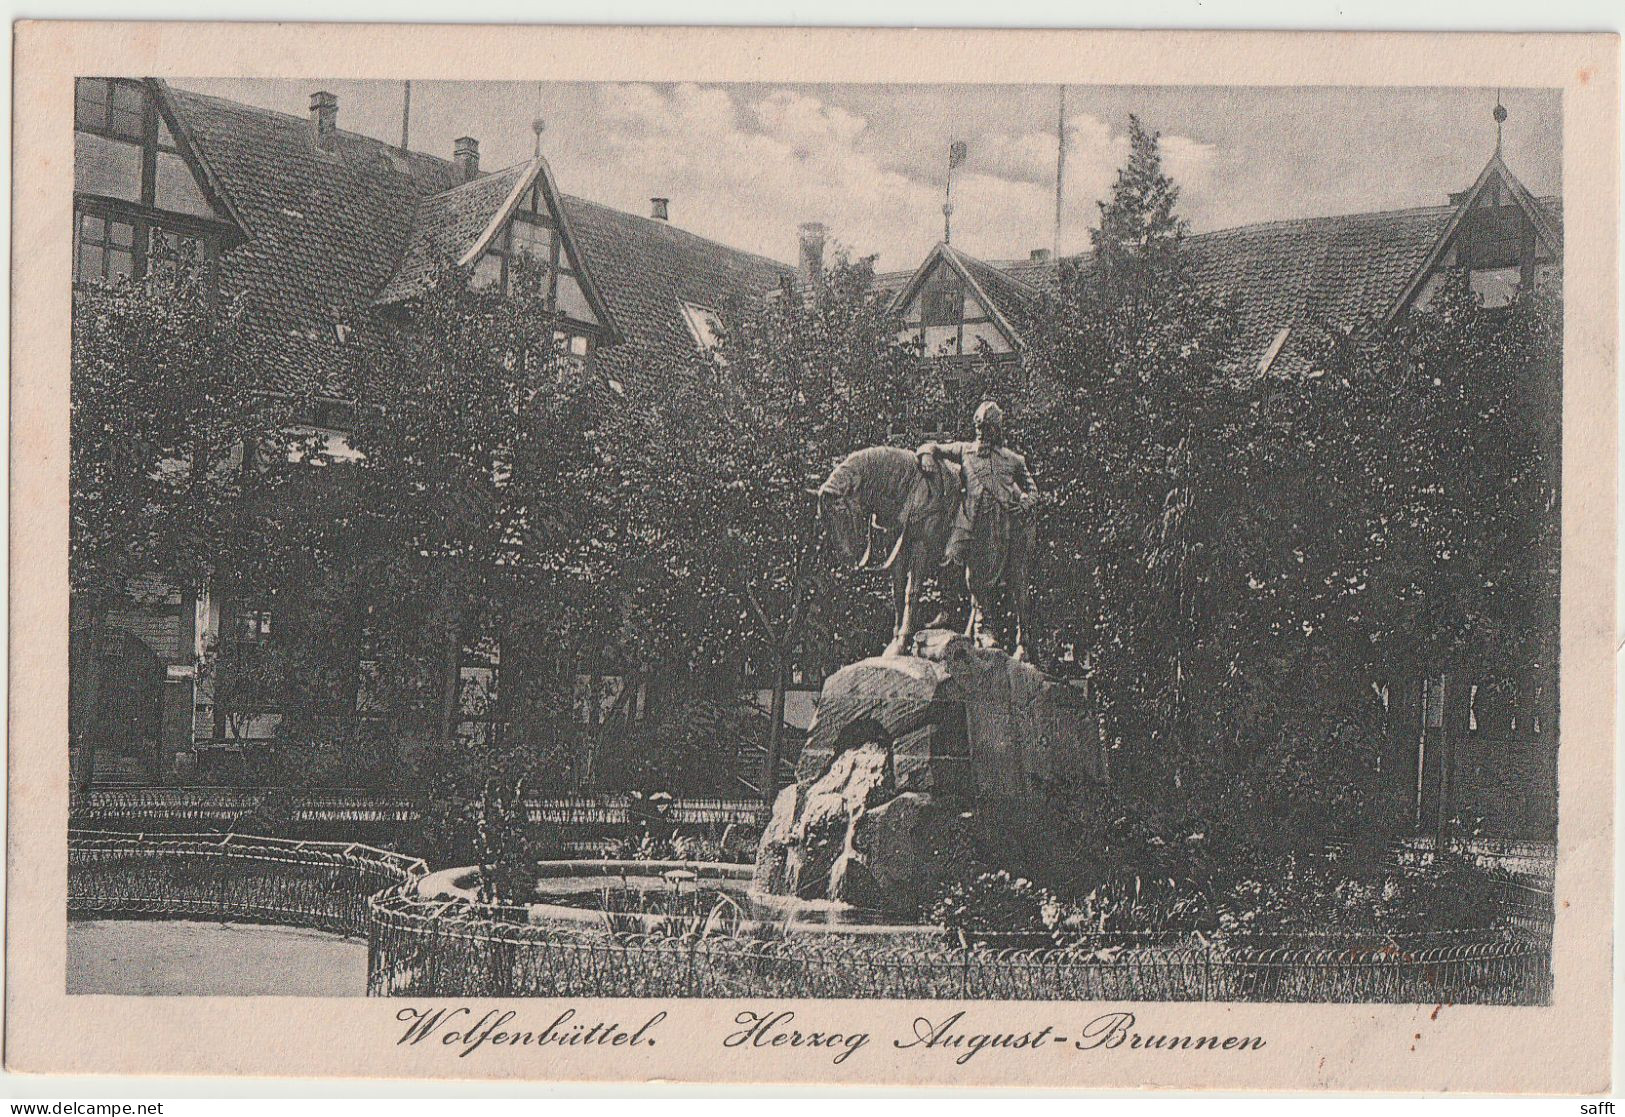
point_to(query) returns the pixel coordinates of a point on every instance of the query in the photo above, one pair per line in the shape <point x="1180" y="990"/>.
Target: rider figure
<point x="998" y="487"/>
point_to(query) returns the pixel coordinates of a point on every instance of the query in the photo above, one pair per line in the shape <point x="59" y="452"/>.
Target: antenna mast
<point x="406" y="114"/>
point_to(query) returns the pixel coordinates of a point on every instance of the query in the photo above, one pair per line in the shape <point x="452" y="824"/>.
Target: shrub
<point x="993" y="904"/>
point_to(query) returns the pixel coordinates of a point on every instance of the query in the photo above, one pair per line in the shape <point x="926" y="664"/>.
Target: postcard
<point x="839" y="557"/>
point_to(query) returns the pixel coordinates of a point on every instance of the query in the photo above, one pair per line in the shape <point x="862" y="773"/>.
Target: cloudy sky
<point x="746" y="163"/>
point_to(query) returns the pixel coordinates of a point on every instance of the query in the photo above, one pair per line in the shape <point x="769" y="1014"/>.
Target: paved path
<point x="156" y="957"/>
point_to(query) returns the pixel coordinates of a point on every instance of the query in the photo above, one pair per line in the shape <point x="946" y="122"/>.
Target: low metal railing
<point x="121" y="806"/>
<point x="425" y="947"/>
<point x="446" y="950"/>
<point x="323" y="885"/>
<point x="1530" y="861"/>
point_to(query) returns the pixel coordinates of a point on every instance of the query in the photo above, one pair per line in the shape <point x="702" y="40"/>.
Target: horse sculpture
<point x="886" y="487"/>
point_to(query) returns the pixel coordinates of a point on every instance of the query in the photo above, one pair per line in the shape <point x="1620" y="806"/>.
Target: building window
<point x="110" y="106"/>
<point x="173" y="253"/>
<point x="106" y="249"/>
<point x="130" y="173"/>
<point x="488" y="270"/>
<point x="704" y="323"/>
<point x="527" y="235"/>
<point x="253" y="626"/>
<point x="1495" y="287"/>
<point x="110" y="244"/>
<point x="533" y="239"/>
<point x="577" y="345"/>
<point x="942" y="306"/>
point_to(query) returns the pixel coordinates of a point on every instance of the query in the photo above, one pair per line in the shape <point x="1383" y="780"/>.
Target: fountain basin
<point x="573" y="892"/>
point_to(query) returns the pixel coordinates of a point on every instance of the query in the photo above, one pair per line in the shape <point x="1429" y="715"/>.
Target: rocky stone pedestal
<point x="901" y="753"/>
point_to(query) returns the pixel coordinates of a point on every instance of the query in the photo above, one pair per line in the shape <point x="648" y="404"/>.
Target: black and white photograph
<point x="596" y="573"/>
<point x="714" y="540"/>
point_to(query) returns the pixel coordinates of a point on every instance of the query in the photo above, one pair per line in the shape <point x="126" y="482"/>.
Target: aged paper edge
<point x="1562" y="1048"/>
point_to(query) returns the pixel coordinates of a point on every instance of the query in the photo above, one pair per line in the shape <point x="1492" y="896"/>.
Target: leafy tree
<point x="158" y="478"/>
<point x="479" y="474"/>
<point x="1452" y="434"/>
<point x="1130" y="412"/>
<point x="466" y="523"/>
<point x="1462" y="447"/>
<point x="735" y="444"/>
<point x="1260" y="552"/>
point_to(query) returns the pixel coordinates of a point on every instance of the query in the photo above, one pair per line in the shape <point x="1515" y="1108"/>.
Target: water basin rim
<point x="706" y="870"/>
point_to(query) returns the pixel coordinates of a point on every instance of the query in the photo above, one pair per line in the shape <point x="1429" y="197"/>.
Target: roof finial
<point x="1500" y="115"/>
<point x="956" y="155"/>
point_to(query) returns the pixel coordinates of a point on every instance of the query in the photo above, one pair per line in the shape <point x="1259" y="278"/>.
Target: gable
<point x="535" y="226"/>
<point x="947" y="307"/>
<point x="486" y="223"/>
<point x="333" y="232"/>
<point x="1499" y="234"/>
<point x="132" y="147"/>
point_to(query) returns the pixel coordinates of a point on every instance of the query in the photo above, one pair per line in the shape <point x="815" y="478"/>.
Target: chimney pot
<point x="660" y="208"/>
<point x="812" y="235"/>
<point x="465" y="152"/>
<point x="1039" y="256"/>
<point x="324" y="119"/>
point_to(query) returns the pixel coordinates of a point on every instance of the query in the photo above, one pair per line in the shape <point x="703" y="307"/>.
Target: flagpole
<point x="1060" y="168"/>
<point x="406" y="114"/>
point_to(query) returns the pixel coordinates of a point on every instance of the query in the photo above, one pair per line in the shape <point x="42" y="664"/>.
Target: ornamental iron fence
<point x="223" y="806"/>
<point x="321" y="885"/>
<point x="421" y="947"/>
<point x="445" y="950"/>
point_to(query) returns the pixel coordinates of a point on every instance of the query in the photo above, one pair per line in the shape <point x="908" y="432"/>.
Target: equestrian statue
<point x="968" y="505"/>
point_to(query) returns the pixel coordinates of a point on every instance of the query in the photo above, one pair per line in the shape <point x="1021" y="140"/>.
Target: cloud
<point x="1005" y="206"/>
<point x="747" y="170"/>
<point x="1189" y="162"/>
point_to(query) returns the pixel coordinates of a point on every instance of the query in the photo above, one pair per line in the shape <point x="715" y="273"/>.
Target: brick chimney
<point x="660" y="208"/>
<point x="465" y="152"/>
<point x="1038" y="256"/>
<point x="324" y="119"/>
<point x="811" y="269"/>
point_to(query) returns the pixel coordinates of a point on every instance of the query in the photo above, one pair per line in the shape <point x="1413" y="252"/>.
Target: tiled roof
<point x="1339" y="271"/>
<point x="645" y="268"/>
<point x="325" y="231"/>
<point x="445" y="226"/>
<point x="329" y="232"/>
<point x="1344" y="271"/>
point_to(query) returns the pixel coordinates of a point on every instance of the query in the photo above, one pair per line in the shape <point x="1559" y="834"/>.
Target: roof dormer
<point x="958" y="306"/>
<point x="513" y="212"/>
<point x="1499" y="233"/>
